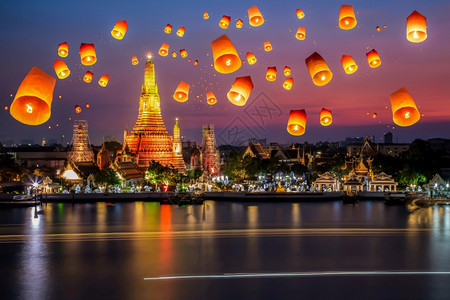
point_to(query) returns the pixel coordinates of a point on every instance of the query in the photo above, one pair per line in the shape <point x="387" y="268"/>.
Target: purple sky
<point x="32" y="30"/>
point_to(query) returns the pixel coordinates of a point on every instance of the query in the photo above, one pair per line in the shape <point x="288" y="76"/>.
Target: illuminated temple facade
<point x="149" y="139"/>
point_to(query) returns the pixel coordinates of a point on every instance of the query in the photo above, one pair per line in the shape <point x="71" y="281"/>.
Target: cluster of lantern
<point x="182" y="92"/>
<point x="416" y="27"/>
<point x="318" y="69"/>
<point x="347" y="19"/>
<point x="404" y="109"/>
<point x="119" y="30"/>
<point x="211" y="98"/>
<point x="255" y="17"/>
<point x="164" y="49"/>
<point x="225" y="55"/>
<point x="240" y="90"/>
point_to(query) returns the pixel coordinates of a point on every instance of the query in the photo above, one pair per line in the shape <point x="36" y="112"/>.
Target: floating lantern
<point x="189" y="60"/>
<point x="287" y="71"/>
<point x="6" y="107"/>
<point x="301" y="34"/>
<point x="224" y="22"/>
<point x="325" y="117"/>
<point x="271" y="74"/>
<point x="77" y="109"/>
<point x="195" y="62"/>
<point x="87" y="105"/>
<point x="378" y="28"/>
<point x="349" y="65"/>
<point x="255" y="17"/>
<point x="119" y="30"/>
<point x="226" y="58"/>
<point x="250" y="58"/>
<point x="288" y="83"/>
<point x="211" y="98"/>
<point x="267" y="46"/>
<point x="183" y="53"/>
<point x="168" y="29"/>
<point x="297" y="122"/>
<point x="87" y="54"/>
<point x="347" y="18"/>
<point x="104" y="80"/>
<point x="88" y="77"/>
<point x="240" y="90"/>
<point x="61" y="69"/>
<point x="205" y="15"/>
<point x="373" y="58"/>
<point x="416" y="27"/>
<point x="164" y="49"/>
<point x="300" y="13"/>
<point x="63" y="49"/>
<point x="318" y="69"/>
<point x="404" y="110"/>
<point x="239" y="23"/>
<point x="385" y="26"/>
<point x="181" y="31"/>
<point x="374" y="115"/>
<point x="33" y="100"/>
<point x="182" y="92"/>
<point x="174" y="54"/>
<point x="134" y="60"/>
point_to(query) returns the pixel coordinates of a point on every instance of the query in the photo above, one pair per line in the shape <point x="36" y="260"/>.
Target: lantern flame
<point x="29" y="108"/>
<point x="407" y="115"/>
<point x="415" y="35"/>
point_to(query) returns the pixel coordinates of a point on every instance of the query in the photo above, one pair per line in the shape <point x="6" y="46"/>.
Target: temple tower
<point x="178" y="155"/>
<point x="80" y="150"/>
<point x="103" y="158"/>
<point x="210" y="152"/>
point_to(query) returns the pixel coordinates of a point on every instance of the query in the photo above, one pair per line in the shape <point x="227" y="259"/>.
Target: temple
<point x="149" y="140"/>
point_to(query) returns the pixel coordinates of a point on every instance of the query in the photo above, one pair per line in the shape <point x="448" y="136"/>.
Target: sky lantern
<point x="250" y="58"/>
<point x="183" y="53"/>
<point x="300" y="14"/>
<point x="168" y="29"/>
<point x="288" y="83"/>
<point x="318" y="69"/>
<point x="88" y="77"/>
<point x="87" y="54"/>
<point x="378" y="28"/>
<point x="164" y="49"/>
<point x="373" y="58"/>
<point x="182" y="92"/>
<point x="61" y="69"/>
<point x="226" y="58"/>
<point x="416" y="27"/>
<point x="347" y="19"/>
<point x="301" y="33"/>
<point x="174" y="54"/>
<point x="6" y="107"/>
<point x="33" y="100"/>
<point x="63" y="49"/>
<point x="224" y="22"/>
<point x="297" y="122"/>
<point x="255" y="17"/>
<point x="134" y="60"/>
<point x="205" y="16"/>
<point x="267" y="46"/>
<point x="195" y="62"/>
<point x="239" y="23"/>
<point x="87" y="105"/>
<point x="325" y="117"/>
<point x="287" y="71"/>
<point x="374" y="115"/>
<point x="181" y="31"/>
<point x="104" y="80"/>
<point x="349" y="65"/>
<point x="240" y="90"/>
<point x="77" y="109"/>
<point x="119" y="30"/>
<point x="271" y="74"/>
<point x="404" y="109"/>
<point x="211" y="98"/>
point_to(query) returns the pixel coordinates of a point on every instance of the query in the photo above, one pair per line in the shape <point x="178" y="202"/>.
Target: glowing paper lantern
<point x="63" y="49"/>
<point x="181" y="31"/>
<point x="349" y="65"/>
<point x="404" y="110"/>
<point x="119" y="30"/>
<point x="240" y="90"/>
<point x="164" y="49"/>
<point x="104" y="80"/>
<point x="255" y="17"/>
<point x="250" y="58"/>
<point x="211" y="98"/>
<point x="33" y="100"/>
<point x="378" y="28"/>
<point x="205" y="15"/>
<point x="374" y="115"/>
<point x="168" y="29"/>
<point x="88" y="77"/>
<point x="6" y="107"/>
<point x="226" y="58"/>
<point x="267" y="46"/>
<point x="271" y="74"/>
<point x="347" y="19"/>
<point x="87" y="54"/>
<point x="300" y="13"/>
<point x="224" y="22"/>
<point x="373" y="58"/>
<point x="61" y="69"/>
<point x="195" y="62"/>
<point x="325" y="117"/>
<point x="318" y="69"/>
<point x="287" y="71"/>
<point x="174" y="54"/>
<point x="134" y="60"/>
<point x="288" y="83"/>
<point x="239" y="23"/>
<point x="297" y="122"/>
<point x="183" y="53"/>
<point x="301" y="34"/>
<point x="416" y="27"/>
<point x="182" y="92"/>
<point x="87" y="105"/>
<point x="77" y="109"/>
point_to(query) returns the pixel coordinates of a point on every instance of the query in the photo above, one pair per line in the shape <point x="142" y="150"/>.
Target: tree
<point x="107" y="176"/>
<point x="158" y="174"/>
<point x="9" y="169"/>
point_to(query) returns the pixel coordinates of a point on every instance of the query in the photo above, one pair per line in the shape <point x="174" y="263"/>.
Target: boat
<point x="186" y="198"/>
<point x="395" y="198"/>
<point x="23" y="198"/>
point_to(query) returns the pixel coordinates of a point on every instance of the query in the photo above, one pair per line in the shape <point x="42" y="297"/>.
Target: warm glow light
<point x="239" y="23"/>
<point x="287" y="71"/>
<point x="347" y="19"/>
<point x="250" y="58"/>
<point x="288" y="83"/>
<point x="297" y="122"/>
<point x="240" y="91"/>
<point x="267" y="46"/>
<point x="168" y="29"/>
<point x="181" y="31"/>
<point x="404" y="109"/>
<point x="183" y="53"/>
<point x="63" y="49"/>
<point x="211" y="98"/>
<point x="205" y="15"/>
<point x="416" y="27"/>
<point x="255" y="17"/>
<point x="164" y="49"/>
<point x="300" y="13"/>
<point x="149" y="55"/>
<point x="61" y="69"/>
<point x="224" y="22"/>
<point x="271" y="73"/>
<point x="70" y="175"/>
<point x="225" y="55"/>
<point x="373" y="58"/>
<point x="119" y="30"/>
<point x="318" y="69"/>
<point x="301" y="33"/>
<point x="325" y="117"/>
<point x="29" y="108"/>
<point x="134" y="60"/>
<point x="87" y="54"/>
<point x="104" y="79"/>
<point x="182" y="92"/>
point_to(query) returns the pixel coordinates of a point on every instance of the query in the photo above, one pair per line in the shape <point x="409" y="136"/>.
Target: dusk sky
<point x="32" y="30"/>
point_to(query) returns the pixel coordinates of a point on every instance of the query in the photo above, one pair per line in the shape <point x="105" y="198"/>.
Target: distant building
<point x="129" y="173"/>
<point x="210" y="152"/>
<point x="53" y="157"/>
<point x="80" y="149"/>
<point x="388" y="138"/>
<point x="103" y="158"/>
<point x="438" y="144"/>
<point x="369" y="148"/>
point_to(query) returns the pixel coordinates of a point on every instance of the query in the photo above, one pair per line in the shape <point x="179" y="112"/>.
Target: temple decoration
<point x="404" y="109"/>
<point x="300" y="14"/>
<point x="224" y="22"/>
<point x="134" y="60"/>
<point x="240" y="90"/>
<point x="301" y="33"/>
<point x="271" y="74"/>
<point x="104" y="79"/>
<point x="211" y="98"/>
<point x="168" y="29"/>
<point x="183" y="53"/>
<point x="318" y="69"/>
<point x="287" y="71"/>
<point x="325" y="117"/>
<point x="226" y="58"/>
<point x="181" y="31"/>
<point x="373" y="58"/>
<point x="347" y="19"/>
<point x="267" y="46"/>
<point x="239" y="23"/>
<point x="80" y="148"/>
<point x="182" y="92"/>
<point x="288" y="83"/>
<point x="63" y="49"/>
<point x="250" y="58"/>
<point x="88" y="77"/>
<point x="349" y="65"/>
<point x="61" y="69"/>
<point x="416" y="27"/>
<point x="297" y="122"/>
<point x="87" y="54"/>
<point x="164" y="49"/>
<point x="77" y="109"/>
<point x="119" y="30"/>
<point x="255" y="17"/>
